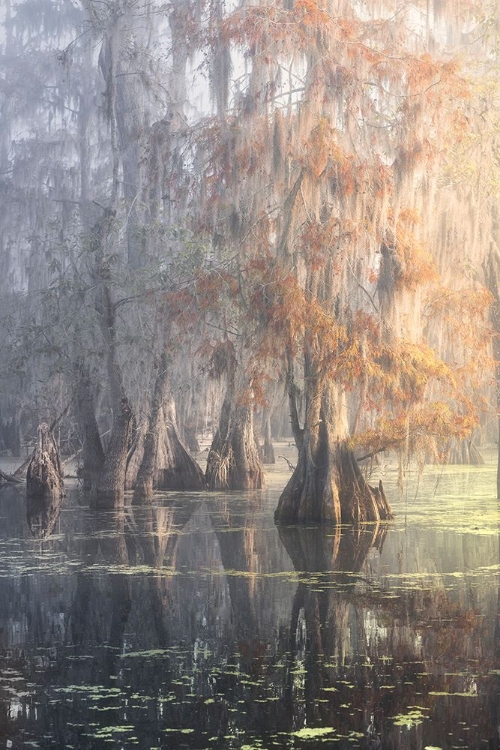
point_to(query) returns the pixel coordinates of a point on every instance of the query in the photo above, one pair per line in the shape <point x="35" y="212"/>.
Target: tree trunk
<point x="44" y="476"/>
<point x="165" y="462"/>
<point x="327" y="485"/>
<point x="92" y="451"/>
<point x="109" y="490"/>
<point x="10" y="435"/>
<point x="176" y="469"/>
<point x="464" y="452"/>
<point x="135" y="454"/>
<point x="144" y="486"/>
<point x="191" y="437"/>
<point x="233" y="461"/>
<point x="268" y="456"/>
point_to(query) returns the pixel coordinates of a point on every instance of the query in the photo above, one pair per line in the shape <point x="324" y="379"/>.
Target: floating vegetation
<point x="454" y="695"/>
<point x="95" y="692"/>
<point x="109" y="731"/>
<point x="210" y="647"/>
<point x="149" y="654"/>
<point x="412" y="718"/>
<point x="313" y="733"/>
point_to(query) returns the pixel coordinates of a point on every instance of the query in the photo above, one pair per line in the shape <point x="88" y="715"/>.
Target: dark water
<point x="198" y="624"/>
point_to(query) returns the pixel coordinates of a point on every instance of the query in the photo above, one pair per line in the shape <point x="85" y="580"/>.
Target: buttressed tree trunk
<point x="327" y="485"/>
<point x="109" y="489"/>
<point x="233" y="461"/>
<point x="165" y="463"/>
<point x="176" y="469"/>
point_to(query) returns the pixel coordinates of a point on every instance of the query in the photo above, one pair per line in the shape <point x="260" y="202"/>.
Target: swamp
<point x="196" y="622"/>
<point x="249" y="374"/>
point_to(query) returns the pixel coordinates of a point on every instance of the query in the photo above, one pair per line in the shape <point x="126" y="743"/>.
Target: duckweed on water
<point x="310" y="733"/>
<point x="149" y="654"/>
<point x="411" y="719"/>
<point x="228" y="629"/>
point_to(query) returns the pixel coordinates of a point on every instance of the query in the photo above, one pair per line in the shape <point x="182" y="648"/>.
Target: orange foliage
<point x="463" y="317"/>
<point x="433" y="419"/>
<point x="417" y="264"/>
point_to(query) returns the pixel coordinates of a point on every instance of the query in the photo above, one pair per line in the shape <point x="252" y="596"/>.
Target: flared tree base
<point x="109" y="490"/>
<point x="233" y="461"/>
<point x="177" y="469"/>
<point x="327" y="487"/>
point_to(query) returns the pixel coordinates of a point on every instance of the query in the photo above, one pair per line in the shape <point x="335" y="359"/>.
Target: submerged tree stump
<point x="44" y="477"/>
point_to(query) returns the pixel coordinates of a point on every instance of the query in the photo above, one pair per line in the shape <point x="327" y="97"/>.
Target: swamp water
<point x="198" y="624"/>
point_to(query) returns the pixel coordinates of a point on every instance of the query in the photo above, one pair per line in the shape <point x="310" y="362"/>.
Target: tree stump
<point x="44" y="477"/>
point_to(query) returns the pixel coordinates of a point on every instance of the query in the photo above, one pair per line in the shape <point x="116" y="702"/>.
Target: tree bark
<point x="233" y="461"/>
<point x="327" y="485"/>
<point x="44" y="476"/>
<point x="92" y="450"/>
<point x="168" y="466"/>
<point x="176" y="469"/>
<point x="109" y="490"/>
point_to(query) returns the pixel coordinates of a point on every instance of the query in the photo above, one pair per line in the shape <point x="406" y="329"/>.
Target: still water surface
<point x="198" y="624"/>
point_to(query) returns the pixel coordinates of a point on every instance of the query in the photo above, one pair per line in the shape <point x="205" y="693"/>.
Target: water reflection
<point x="196" y="623"/>
<point x="42" y="513"/>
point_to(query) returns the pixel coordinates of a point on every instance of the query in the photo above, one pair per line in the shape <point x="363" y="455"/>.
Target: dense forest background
<point x="240" y="221"/>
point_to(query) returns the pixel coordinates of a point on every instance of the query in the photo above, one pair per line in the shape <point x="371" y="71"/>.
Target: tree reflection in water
<point x="196" y="623"/>
<point x="42" y="514"/>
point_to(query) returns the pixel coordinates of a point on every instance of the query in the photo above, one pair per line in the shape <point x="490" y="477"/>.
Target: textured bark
<point x="165" y="463"/>
<point x="109" y="490"/>
<point x="176" y="469"/>
<point x="144" y="486"/>
<point x="327" y="485"/>
<point x="135" y="454"/>
<point x="233" y="461"/>
<point x="92" y="450"/>
<point x="44" y="478"/>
